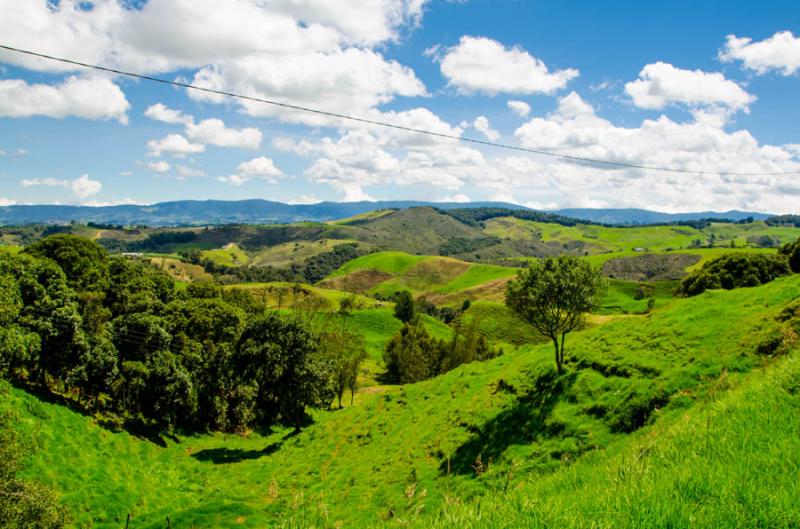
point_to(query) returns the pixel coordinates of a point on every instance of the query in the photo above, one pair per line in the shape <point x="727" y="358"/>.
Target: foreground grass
<point x="560" y="447"/>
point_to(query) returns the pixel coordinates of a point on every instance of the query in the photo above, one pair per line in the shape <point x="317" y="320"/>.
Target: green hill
<point x="659" y="421"/>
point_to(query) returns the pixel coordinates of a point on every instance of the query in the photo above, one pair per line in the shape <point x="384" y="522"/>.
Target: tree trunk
<point x="558" y="354"/>
<point x="352" y="394"/>
<point x="563" y="336"/>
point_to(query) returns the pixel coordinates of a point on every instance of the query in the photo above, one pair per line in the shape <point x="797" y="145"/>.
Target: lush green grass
<point x="281" y="294"/>
<point x="229" y="255"/>
<point x="404" y="451"/>
<point x="296" y="252"/>
<point x="477" y="274"/>
<point x="620" y="296"/>
<point x="498" y="324"/>
<point x="388" y="262"/>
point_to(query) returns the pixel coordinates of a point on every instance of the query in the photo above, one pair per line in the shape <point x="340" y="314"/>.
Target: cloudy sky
<point x="706" y="86"/>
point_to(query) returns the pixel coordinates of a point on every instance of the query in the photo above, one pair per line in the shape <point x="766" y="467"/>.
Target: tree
<point x="553" y="294"/>
<point x="792" y="251"/>
<point x="281" y="357"/>
<point x="84" y="262"/>
<point x="411" y="355"/>
<point x="404" y="306"/>
<point x="346" y="351"/>
<point x="735" y="270"/>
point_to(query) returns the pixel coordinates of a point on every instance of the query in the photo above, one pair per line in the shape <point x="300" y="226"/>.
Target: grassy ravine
<point x="718" y="446"/>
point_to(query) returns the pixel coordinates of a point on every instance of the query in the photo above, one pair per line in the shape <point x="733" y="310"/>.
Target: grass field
<point x="229" y="255"/>
<point x="660" y="421"/>
<point x="290" y="253"/>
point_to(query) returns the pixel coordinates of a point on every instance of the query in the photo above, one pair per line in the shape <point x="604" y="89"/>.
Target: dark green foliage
<point x="460" y="245"/>
<point x="735" y="270"/>
<point x="319" y="266"/>
<point x="783" y="220"/>
<point x="162" y="239"/>
<point x="84" y="262"/>
<point x="404" y="306"/>
<point x="553" y="294"/>
<point x="279" y="358"/>
<point x="413" y="355"/>
<point x="24" y="504"/>
<point x="474" y="216"/>
<point x="113" y="335"/>
<point x="792" y="252"/>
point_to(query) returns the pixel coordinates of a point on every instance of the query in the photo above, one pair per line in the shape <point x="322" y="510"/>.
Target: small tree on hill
<point x="404" y="306"/>
<point x="553" y="294"/>
<point x="792" y="251"/>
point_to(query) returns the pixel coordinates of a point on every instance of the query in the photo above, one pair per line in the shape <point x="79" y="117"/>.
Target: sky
<point x="697" y="86"/>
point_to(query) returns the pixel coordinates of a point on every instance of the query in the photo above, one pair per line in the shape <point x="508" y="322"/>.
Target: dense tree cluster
<point x="474" y="216"/>
<point x="736" y="270"/>
<point x="413" y="354"/>
<point x="117" y="336"/>
<point x="792" y="252"/>
<point x="784" y="220"/>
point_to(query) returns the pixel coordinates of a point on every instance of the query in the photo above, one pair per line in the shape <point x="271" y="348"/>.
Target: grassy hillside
<point x="548" y="450"/>
<point x="443" y="280"/>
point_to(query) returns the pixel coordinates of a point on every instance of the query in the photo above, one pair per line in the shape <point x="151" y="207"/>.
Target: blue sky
<point x="697" y="86"/>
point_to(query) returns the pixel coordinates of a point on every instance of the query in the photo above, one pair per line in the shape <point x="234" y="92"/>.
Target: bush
<point x="736" y="270"/>
<point x="792" y="252"/>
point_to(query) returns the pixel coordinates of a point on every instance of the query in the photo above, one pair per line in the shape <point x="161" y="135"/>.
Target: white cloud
<point x="575" y="129"/>
<point x="105" y="203"/>
<point x="126" y="173"/>
<point x="6" y="202"/>
<point x="213" y="131"/>
<point x="184" y="171"/>
<point x="520" y="108"/>
<point x="262" y="168"/>
<point x="84" y="187"/>
<point x="21" y="152"/>
<point x="661" y="84"/>
<point x="48" y="182"/>
<point x="480" y="64"/>
<point x="161" y="112"/>
<point x="299" y="51"/>
<point x="459" y="197"/>
<point x="482" y="125"/>
<point x="304" y="199"/>
<point x="780" y="52"/>
<point x="95" y="98"/>
<point x="160" y="166"/>
<point x="175" y="145"/>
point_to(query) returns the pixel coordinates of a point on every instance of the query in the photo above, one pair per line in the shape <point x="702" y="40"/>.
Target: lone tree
<point x="404" y="306"/>
<point x="553" y="294"/>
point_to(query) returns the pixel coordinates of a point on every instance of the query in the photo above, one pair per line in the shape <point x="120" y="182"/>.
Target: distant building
<point x="639" y="249"/>
<point x="133" y="255"/>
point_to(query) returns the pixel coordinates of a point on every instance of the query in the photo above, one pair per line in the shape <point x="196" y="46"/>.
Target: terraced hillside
<point x="658" y="421"/>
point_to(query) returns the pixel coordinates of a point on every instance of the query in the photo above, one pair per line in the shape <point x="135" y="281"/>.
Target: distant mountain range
<point x="205" y="212"/>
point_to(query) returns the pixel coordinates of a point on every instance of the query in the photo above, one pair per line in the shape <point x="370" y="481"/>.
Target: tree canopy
<point x="553" y="295"/>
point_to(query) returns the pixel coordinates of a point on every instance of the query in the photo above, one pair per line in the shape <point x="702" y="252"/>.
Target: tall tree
<point x="404" y="306"/>
<point x="553" y="295"/>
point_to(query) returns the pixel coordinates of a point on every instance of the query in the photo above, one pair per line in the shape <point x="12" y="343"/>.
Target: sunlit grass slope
<point x="510" y="424"/>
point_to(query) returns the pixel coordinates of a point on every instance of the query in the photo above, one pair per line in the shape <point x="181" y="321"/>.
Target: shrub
<point x="735" y="270"/>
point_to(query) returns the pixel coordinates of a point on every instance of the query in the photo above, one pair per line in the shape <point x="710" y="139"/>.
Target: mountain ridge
<point x="259" y="211"/>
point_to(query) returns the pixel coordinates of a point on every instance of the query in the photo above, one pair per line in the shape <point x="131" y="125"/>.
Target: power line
<point x="568" y="157"/>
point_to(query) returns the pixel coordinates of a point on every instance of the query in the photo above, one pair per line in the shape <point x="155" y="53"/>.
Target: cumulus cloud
<point x="184" y="171"/>
<point x="574" y="128"/>
<point x="96" y="98"/>
<point x="482" y="125"/>
<point x="159" y="166"/>
<point x="174" y="145"/>
<point x="780" y="52"/>
<point x="520" y="108"/>
<point x="213" y="131"/>
<point x="661" y="84"/>
<point x="48" y="182"/>
<point x="83" y="187"/>
<point x="261" y="168"/>
<point x="483" y="65"/>
<point x="161" y="112"/>
<point x="304" y="199"/>
<point x="300" y="51"/>
<point x="6" y="202"/>
<point x="460" y="197"/>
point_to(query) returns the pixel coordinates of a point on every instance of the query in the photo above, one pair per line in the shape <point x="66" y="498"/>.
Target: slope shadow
<point x="223" y="456"/>
<point x="522" y="423"/>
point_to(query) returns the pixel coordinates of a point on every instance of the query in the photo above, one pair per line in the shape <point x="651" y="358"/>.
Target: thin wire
<point x="568" y="157"/>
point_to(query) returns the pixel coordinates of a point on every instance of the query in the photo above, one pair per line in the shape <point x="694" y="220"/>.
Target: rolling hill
<point x="658" y="423"/>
